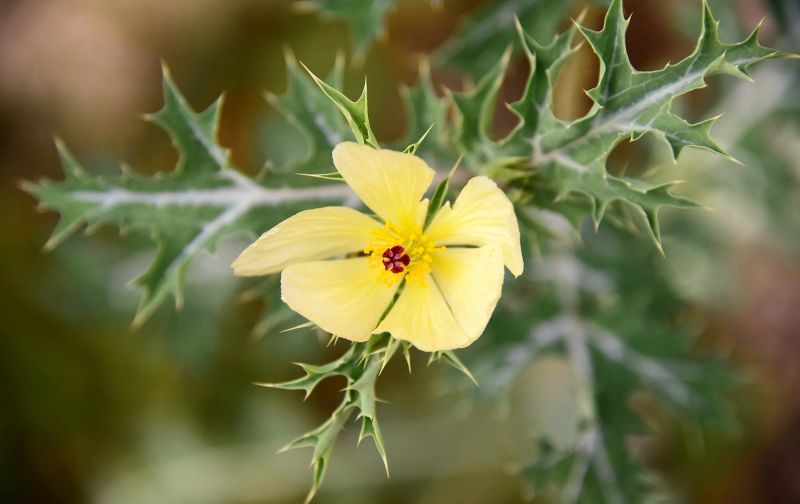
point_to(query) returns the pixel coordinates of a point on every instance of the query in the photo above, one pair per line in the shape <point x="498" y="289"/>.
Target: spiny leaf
<point x="364" y="399"/>
<point x="534" y="108"/>
<point x="488" y="30"/>
<point x="391" y="349"/>
<point x="186" y="211"/>
<point x="451" y="358"/>
<point x="407" y="354"/>
<point x="476" y="108"/>
<point x="343" y="366"/>
<point x="412" y="148"/>
<point x="570" y="157"/>
<point x="322" y="440"/>
<point x="364" y="389"/>
<point x="193" y="134"/>
<point x="427" y="117"/>
<point x="308" y="109"/>
<point x="360" y="366"/>
<point x="355" y="112"/>
<point x="370" y="427"/>
<point x="439" y="195"/>
<point x="604" y="190"/>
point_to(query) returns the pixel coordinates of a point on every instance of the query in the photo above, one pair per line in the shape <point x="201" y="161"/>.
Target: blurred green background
<point x="91" y="411"/>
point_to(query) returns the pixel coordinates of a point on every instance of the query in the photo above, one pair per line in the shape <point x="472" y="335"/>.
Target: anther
<point x="395" y="259"/>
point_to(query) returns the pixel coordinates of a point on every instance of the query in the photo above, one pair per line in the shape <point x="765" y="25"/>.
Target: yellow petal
<point x="471" y="280"/>
<point x="422" y="317"/>
<point x="481" y="215"/>
<point x="388" y="182"/>
<point x="312" y="234"/>
<point x="343" y="297"/>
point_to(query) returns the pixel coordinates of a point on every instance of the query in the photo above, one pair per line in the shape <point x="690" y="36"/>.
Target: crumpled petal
<point x="390" y="183"/>
<point x="422" y="317"/>
<point x="481" y="215"/>
<point x="309" y="235"/>
<point x="343" y="297"/>
<point x="471" y="280"/>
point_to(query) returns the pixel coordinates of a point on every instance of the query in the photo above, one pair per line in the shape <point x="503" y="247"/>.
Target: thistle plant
<point x="427" y="273"/>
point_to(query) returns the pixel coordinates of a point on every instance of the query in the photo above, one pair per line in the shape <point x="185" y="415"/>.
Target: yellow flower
<point x="448" y="275"/>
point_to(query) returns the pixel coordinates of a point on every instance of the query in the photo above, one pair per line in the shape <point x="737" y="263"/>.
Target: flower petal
<point x="422" y="317"/>
<point x="390" y="183"/>
<point x="481" y="215"/>
<point x="471" y="280"/>
<point x="343" y="297"/>
<point x="311" y="234"/>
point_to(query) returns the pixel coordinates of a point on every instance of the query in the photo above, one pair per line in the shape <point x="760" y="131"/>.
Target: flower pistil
<point x="397" y="252"/>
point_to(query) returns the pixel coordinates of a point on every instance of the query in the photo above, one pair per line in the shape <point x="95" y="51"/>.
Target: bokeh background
<point x="92" y="411"/>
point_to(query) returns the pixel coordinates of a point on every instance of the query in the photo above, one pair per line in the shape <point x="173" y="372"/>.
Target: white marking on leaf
<point x="624" y="117"/>
<point x="243" y="191"/>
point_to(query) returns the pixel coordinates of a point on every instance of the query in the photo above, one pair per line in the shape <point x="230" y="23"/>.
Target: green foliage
<point x="355" y="112"/>
<point x="564" y="163"/>
<point x="487" y="31"/>
<point x="365" y="17"/>
<point x="628" y="103"/>
<point x="567" y="159"/>
<point x="588" y="306"/>
<point x="360" y="365"/>
<point x="186" y="211"/>
<point x="627" y="362"/>
<point x="313" y="114"/>
<point x="427" y="117"/>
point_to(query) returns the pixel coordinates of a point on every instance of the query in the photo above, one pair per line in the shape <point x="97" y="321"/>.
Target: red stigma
<point x="395" y="259"/>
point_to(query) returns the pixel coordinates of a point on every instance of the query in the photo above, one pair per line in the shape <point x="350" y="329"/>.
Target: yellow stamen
<point x="416" y="244"/>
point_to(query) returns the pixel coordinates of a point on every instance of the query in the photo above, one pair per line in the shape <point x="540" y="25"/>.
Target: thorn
<point x="581" y="17"/>
<point x="165" y="71"/>
<point x="309" y="72"/>
<point x="138" y="321"/>
<point x="660" y="248"/>
<point x="303" y="7"/>
<point x="758" y="27"/>
<point x="518" y="27"/>
<point x="729" y="157"/>
<point x="288" y="56"/>
<point x="455" y="166"/>
<point x="49" y="245"/>
<point x="339" y="60"/>
<point x="265" y="384"/>
<point x="299" y="326"/>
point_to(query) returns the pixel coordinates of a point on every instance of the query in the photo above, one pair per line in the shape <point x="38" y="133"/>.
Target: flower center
<point x="395" y="259"/>
<point x="396" y="253"/>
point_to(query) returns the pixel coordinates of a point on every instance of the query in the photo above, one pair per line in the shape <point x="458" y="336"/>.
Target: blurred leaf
<point x="451" y="358"/>
<point x="487" y="31"/>
<point x="308" y="109"/>
<point x="476" y="108"/>
<point x="427" y="117"/>
<point x="618" y="347"/>
<point x="366" y="18"/>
